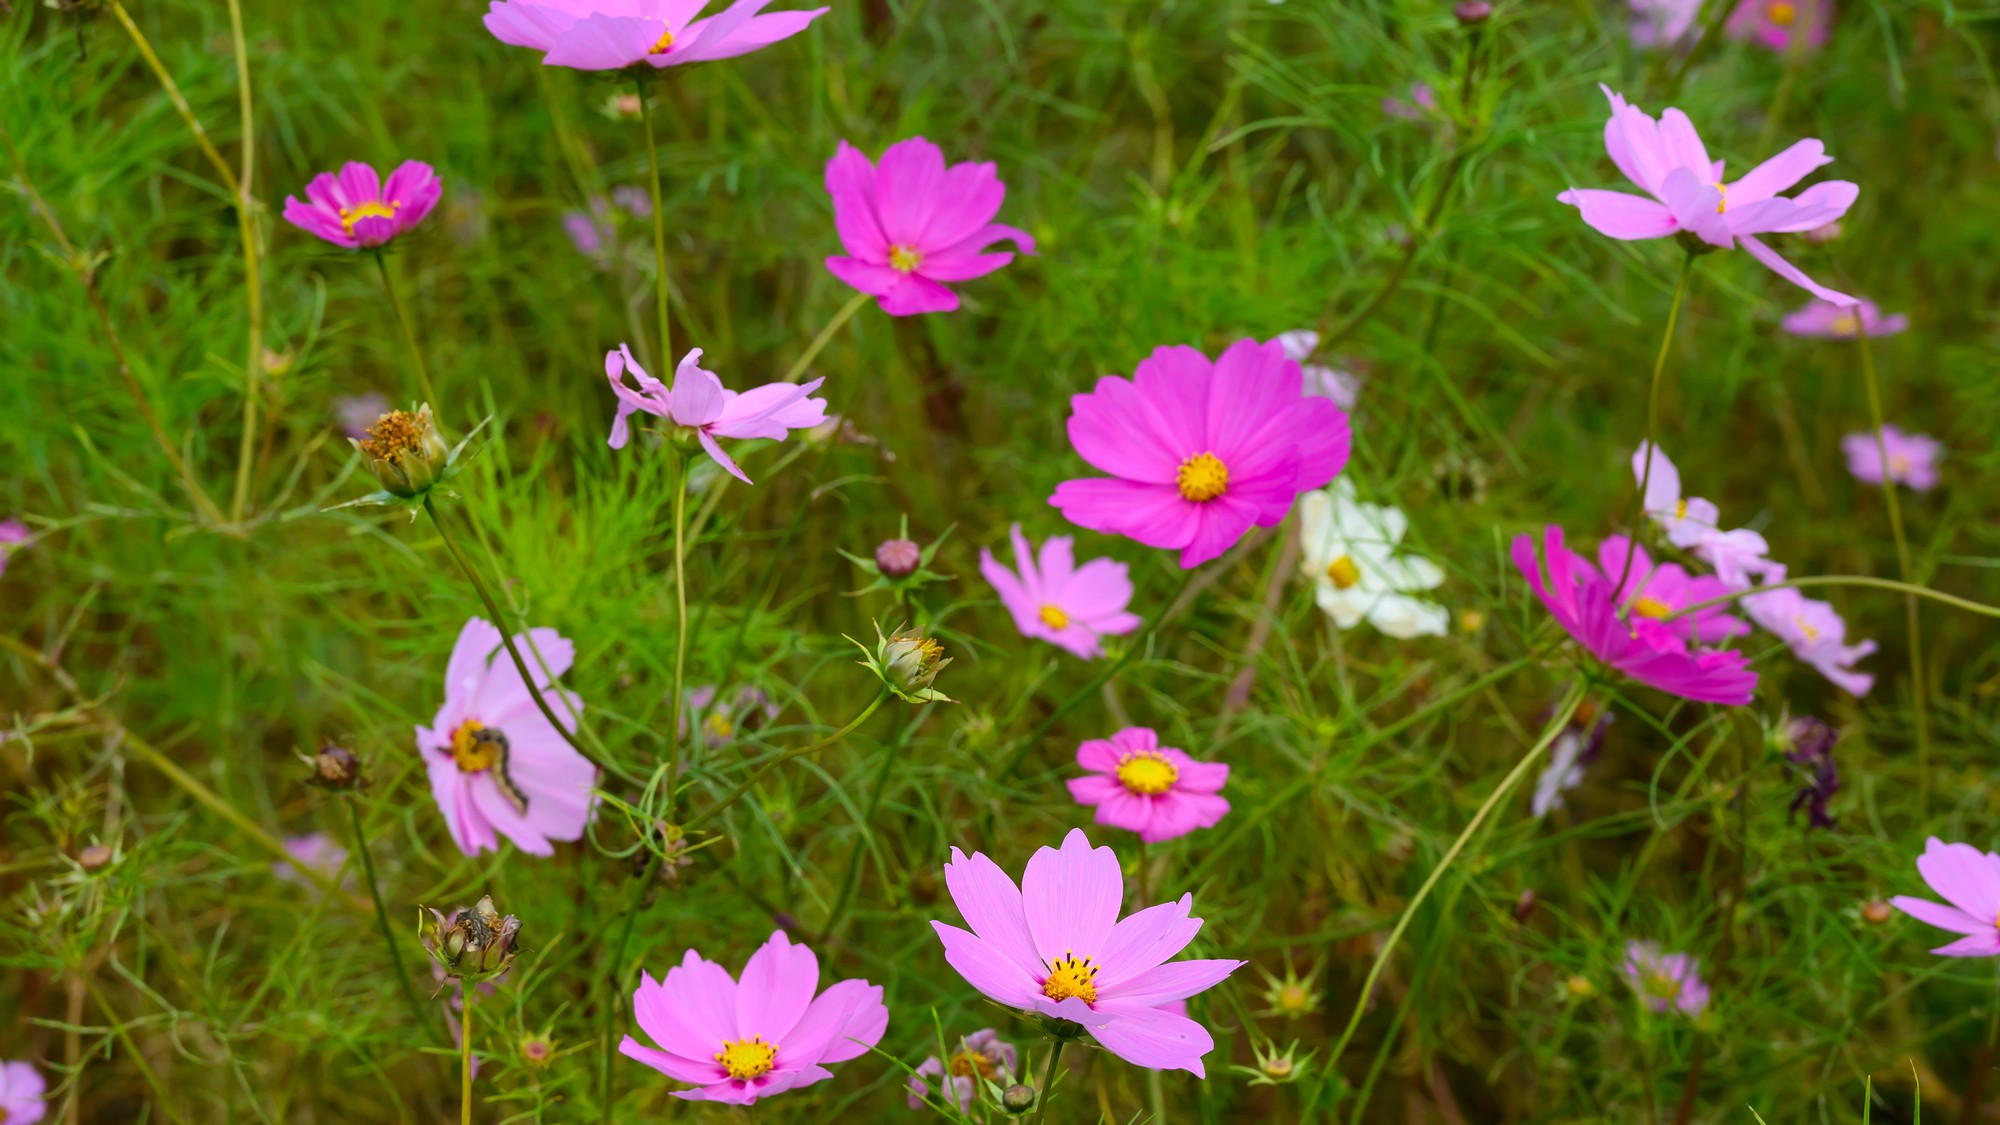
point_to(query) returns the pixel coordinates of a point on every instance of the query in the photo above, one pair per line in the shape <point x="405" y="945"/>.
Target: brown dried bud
<point x="336" y="768"/>
<point x="474" y="945"/>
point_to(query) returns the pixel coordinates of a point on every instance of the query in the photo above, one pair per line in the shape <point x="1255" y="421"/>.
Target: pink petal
<point x="1616" y="214"/>
<point x="1780" y="172"/>
<point x="1127" y="811"/>
<point x="908" y="184"/>
<point x="703" y="995"/>
<point x="601" y="42"/>
<point x="868" y="1018"/>
<point x="667" y="1024"/>
<point x="873" y="278"/>
<point x="1093" y="789"/>
<point x="986" y="968"/>
<point x="1682" y="142"/>
<point x="1963" y="875"/>
<point x="1791" y="273"/>
<point x="777" y="985"/>
<point x="819" y="1030"/>
<point x="1978" y="945"/>
<point x="991" y="905"/>
<point x="969" y="196"/>
<point x="752" y="35"/>
<point x="1118" y="429"/>
<point x="1071" y="896"/>
<point x="1153" y="514"/>
<point x="1154" y="1039"/>
<point x="523" y="24"/>
<point x="1145" y="939"/>
<point x="850" y="180"/>
<point x="1099" y="589"/>
<point x="1942" y="916"/>
<point x="1176" y="980"/>
<point x="708" y="444"/>
<point x="917" y="294"/>
<point x="673" y="1066"/>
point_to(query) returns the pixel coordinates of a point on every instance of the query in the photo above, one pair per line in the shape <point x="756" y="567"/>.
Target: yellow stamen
<point x="1663" y="986"/>
<point x="1071" y="976"/>
<point x="1147" y="773"/>
<point x="903" y="259"/>
<point x="1681" y="510"/>
<point x="1651" y="607"/>
<point x="1343" y="572"/>
<point x="1781" y="13"/>
<point x="720" y="725"/>
<point x="1202" y="477"/>
<point x="967" y="1063"/>
<point x="660" y="45"/>
<point x="746" y="1058"/>
<point x="1805" y="627"/>
<point x="1722" y="204"/>
<point x="475" y="747"/>
<point x="1054" y="617"/>
<point x="1846" y="324"/>
<point x="376" y="210"/>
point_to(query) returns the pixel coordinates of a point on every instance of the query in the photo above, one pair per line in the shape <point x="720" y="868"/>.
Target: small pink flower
<point x="1684" y="519"/>
<point x="1423" y="103"/>
<point x="496" y="764"/>
<point x="1200" y="450"/>
<point x="981" y="1057"/>
<point x="1969" y="880"/>
<point x="1665" y="981"/>
<point x="357" y="413"/>
<point x="1580" y="599"/>
<point x="357" y="210"/>
<point x="1343" y="387"/>
<point x="1913" y="458"/>
<point x="1055" y="946"/>
<point x="700" y="402"/>
<point x="13" y="533"/>
<point x="1055" y="600"/>
<point x="21" y="1092"/>
<point x="1140" y="786"/>
<point x="1774" y="23"/>
<point x="737" y="1041"/>
<point x="1663" y="23"/>
<point x="1816" y="634"/>
<point x="317" y="851"/>
<point x="1824" y="320"/>
<point x="911" y="224"/>
<point x="615" y="34"/>
<point x="1661" y="592"/>
<point x="1667" y="160"/>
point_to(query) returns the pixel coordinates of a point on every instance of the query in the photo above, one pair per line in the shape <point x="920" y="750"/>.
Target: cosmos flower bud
<point x="898" y="558"/>
<point x="1017" y="1099"/>
<point x="1473" y="12"/>
<point x="907" y="661"/>
<point x="1875" y="912"/>
<point x="335" y="768"/>
<point x="1274" y="1067"/>
<point x="474" y="945"/>
<point x="537" y="1051"/>
<point x="405" y="452"/>
<point x="901" y="564"/>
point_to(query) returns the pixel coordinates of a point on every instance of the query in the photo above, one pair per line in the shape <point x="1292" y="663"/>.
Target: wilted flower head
<point x="537" y="1050"/>
<point x="616" y="34"/>
<point x="1777" y="23"/>
<point x="1808" y="743"/>
<point x="1824" y="320"/>
<point x="981" y="1057"/>
<point x="335" y="768"/>
<point x="1968" y="879"/>
<point x="906" y="661"/>
<point x="471" y="944"/>
<point x="1664" y="981"/>
<point x="1054" y="600"/>
<point x="355" y="209"/>
<point x="21" y="1093"/>
<point x="1913" y="458"/>
<point x="408" y="457"/>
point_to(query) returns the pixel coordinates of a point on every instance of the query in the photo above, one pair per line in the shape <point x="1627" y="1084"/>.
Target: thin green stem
<point x="465" y="992"/>
<point x="730" y="799"/>
<point x="131" y="1048"/>
<point x="1048" y="1082"/>
<point x="1555" y="726"/>
<point x="1903" y="566"/>
<point x="659" y="232"/>
<point x="681" y="641"/>
<point x="812" y="351"/>
<point x="1653" y="406"/>
<point x="609" y="1008"/>
<point x="253" y="362"/>
<point x="1910" y="589"/>
<point x="409" y="337"/>
<point x="381" y="911"/>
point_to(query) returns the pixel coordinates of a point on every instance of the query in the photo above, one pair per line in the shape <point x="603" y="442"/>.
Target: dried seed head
<point x="405" y="452"/>
<point x="336" y="768"/>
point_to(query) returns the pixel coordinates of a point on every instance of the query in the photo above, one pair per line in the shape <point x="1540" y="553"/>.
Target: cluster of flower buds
<point x="907" y="661"/>
<point x="472" y="945"/>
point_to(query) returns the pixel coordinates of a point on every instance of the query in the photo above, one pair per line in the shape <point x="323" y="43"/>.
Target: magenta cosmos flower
<point x="1969" y="880"/>
<point x="1776" y="23"/>
<point x="1913" y="458"/>
<point x="615" y="34"/>
<point x="1665" y="981"/>
<point x="357" y="210"/>
<point x="496" y="764"/>
<point x="1198" y="451"/>
<point x="1667" y="160"/>
<point x="1056" y="946"/>
<point x="1824" y="320"/>
<point x="21" y="1093"/>
<point x="1140" y="786"/>
<point x="737" y="1041"/>
<point x="910" y="224"/>
<point x="1816" y="634"/>
<point x="1647" y="650"/>
<point x="1660" y="592"/>
<point x="700" y="402"/>
<point x="1054" y="600"/>
<point x="982" y="1057"/>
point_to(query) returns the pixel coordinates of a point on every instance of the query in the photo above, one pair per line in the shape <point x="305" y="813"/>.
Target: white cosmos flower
<point x="1349" y="553"/>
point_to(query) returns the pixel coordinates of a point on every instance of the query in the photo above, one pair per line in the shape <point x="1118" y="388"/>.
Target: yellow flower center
<point x="1651" y="607"/>
<point x="720" y="725"/>
<point x="1663" y="986"/>
<point x="967" y="1063"/>
<point x="1147" y="773"/>
<point x="1202" y="477"/>
<point x="1293" y="998"/>
<point x="1805" y="627"/>
<point x="1899" y="465"/>
<point x="477" y="748"/>
<point x="659" y="47"/>
<point x="376" y="210"/>
<point x="1681" y="510"/>
<point x="746" y="1058"/>
<point x="903" y="259"/>
<point x="1722" y="204"/>
<point x="1071" y="976"/>
<point x="1781" y="13"/>
<point x="1343" y="573"/>
<point x="1846" y="324"/>
<point x="1054" y="617"/>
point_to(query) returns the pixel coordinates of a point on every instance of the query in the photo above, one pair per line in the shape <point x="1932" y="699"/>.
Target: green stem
<point x="681" y="642"/>
<point x="1048" y="1083"/>
<point x="131" y="1048"/>
<point x="609" y="1008"/>
<point x="253" y="289"/>
<point x="812" y="351"/>
<point x="1903" y="565"/>
<point x="1909" y="589"/>
<point x="1555" y="726"/>
<point x="409" y="338"/>
<point x="381" y="911"/>
<point x="713" y="810"/>
<point x="1653" y="407"/>
<point x="465" y="992"/>
<point x="659" y="234"/>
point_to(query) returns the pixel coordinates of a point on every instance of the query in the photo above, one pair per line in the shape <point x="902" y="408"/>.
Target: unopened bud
<point x="537" y="1051"/>
<point x="335" y="768"/>
<point x="1875" y="912"/>
<point x="96" y="855"/>
<point x="1017" y="1099"/>
<point x="898" y="558"/>
<point x="1525" y="905"/>
<point x="1473" y="12"/>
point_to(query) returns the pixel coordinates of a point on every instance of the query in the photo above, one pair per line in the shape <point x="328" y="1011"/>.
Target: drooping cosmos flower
<point x="1580" y="599"/>
<point x="1055" y="600"/>
<point x="1667" y="160"/>
<point x="357" y="210"/>
<point x="1349" y="552"/>
<point x="1343" y="387"/>
<point x="1808" y="743"/>
<point x="615" y="34"/>
<point x="1664" y="24"/>
<point x="700" y="402"/>
<point x="981" y="1057"/>
<point x="13" y="533"/>
<point x="1684" y="519"/>
<point x="910" y="224"/>
<point x="1816" y="634"/>
<point x="1776" y="23"/>
<point x="1055" y="946"/>
<point x="1664" y="981"/>
<point x="317" y="851"/>
<point x="1144" y="787"/>
<point x="737" y="1041"/>
<point x="1198" y="451"/>
<point x="497" y="767"/>
<point x="1660" y="592"/>
<point x="746" y="709"/>
<point x="21" y="1092"/>
<point x="1913" y="458"/>
<point x="1575" y="748"/>
<point x="1824" y="320"/>
<point x="1969" y="880"/>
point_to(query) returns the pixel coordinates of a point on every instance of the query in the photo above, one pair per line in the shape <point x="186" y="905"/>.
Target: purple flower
<point x="615" y="34"/>
<point x="1774" y="23"/>
<point x="1665" y="981"/>
<point x="13" y="533"/>
<point x="1816" y="634"/>
<point x="1969" y="880"/>
<point x="21" y="1092"/>
<point x="981" y="1057"/>
<point x="1661" y="592"/>
<point x="1054" y="600"/>
<point x="357" y="210"/>
<point x="1810" y="745"/>
<point x="1140" y="786"/>
<point x="1663" y="23"/>
<point x="1913" y="458"/>
<point x="1824" y="320"/>
<point x="700" y="402"/>
<point x="317" y="851"/>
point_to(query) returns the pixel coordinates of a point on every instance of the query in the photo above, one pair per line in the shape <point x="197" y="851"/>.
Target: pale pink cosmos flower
<point x="615" y="34"/>
<point x="1738" y="557"/>
<point x="497" y="767"/>
<point x="1144" y="787"/>
<point x="1581" y="601"/>
<point x="1055" y="946"/>
<point x="1824" y="320"/>
<point x="1777" y="23"/>
<point x="1816" y="634"/>
<point x="1913" y="458"/>
<point x="911" y="223"/>
<point x="1969" y="880"/>
<point x="21" y="1093"/>
<point x="1665" y="981"/>
<point x="700" y="402"/>
<point x="355" y="209"/>
<point x="1200" y="450"/>
<point x="1661" y="592"/>
<point x="1667" y="160"/>
<point x="317" y="851"/>
<point x="1343" y="387"/>
<point x="13" y="533"/>
<point x="1054" y="600"/>
<point x="981" y="1057"/>
<point x="1663" y="23"/>
<point x="739" y="1040"/>
<point x="1684" y="519"/>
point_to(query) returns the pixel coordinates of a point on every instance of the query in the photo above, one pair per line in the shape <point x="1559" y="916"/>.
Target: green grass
<point x="1195" y="172"/>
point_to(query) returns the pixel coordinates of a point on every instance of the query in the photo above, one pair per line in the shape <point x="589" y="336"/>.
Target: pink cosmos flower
<point x="1663" y="23"/>
<point x="21" y="1092"/>
<point x="1913" y="458"/>
<point x="911" y="224"/>
<point x="1816" y="634"/>
<point x="1665" y="981"/>
<point x="1055" y="600"/>
<point x="1581" y="600"/>
<point x="1056" y="946"/>
<point x="1660" y="592"/>
<point x="1198" y="451"/>
<point x="737" y="1041"/>
<point x="357" y="210"/>
<point x="496" y="764"/>
<point x="1774" y="23"/>
<point x="1343" y="387"/>
<point x="317" y="851"/>
<point x="1738" y="556"/>
<point x="1969" y="880"/>
<point x="615" y="34"/>
<point x="1823" y="320"/>
<point x="12" y="533"/>
<point x="699" y="401"/>
<point x="1667" y="160"/>
<point x="981" y="1057"/>
<point x="1684" y="519"/>
<point x="1140" y="786"/>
